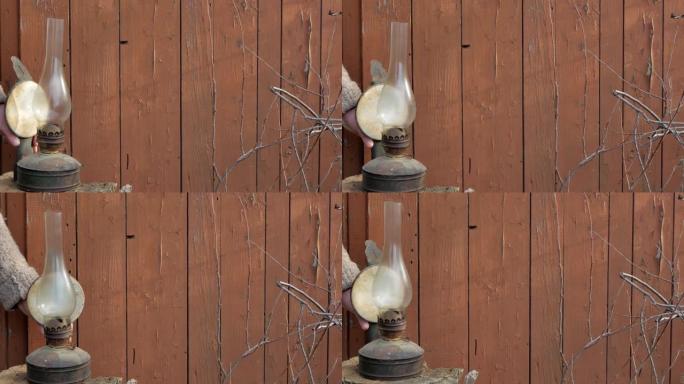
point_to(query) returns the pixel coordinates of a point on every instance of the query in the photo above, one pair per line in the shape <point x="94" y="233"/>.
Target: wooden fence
<point x="181" y="288"/>
<point x="516" y="285"/>
<point x="174" y="95"/>
<point x="513" y="96"/>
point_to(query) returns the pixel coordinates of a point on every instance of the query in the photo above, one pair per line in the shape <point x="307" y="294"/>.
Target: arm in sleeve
<point x="16" y="276"/>
<point x="349" y="270"/>
<point x="351" y="93"/>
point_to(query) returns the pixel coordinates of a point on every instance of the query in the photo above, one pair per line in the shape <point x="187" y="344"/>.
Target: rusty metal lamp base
<point x="395" y="170"/>
<point x="49" y="170"/>
<point x="58" y="362"/>
<point x="392" y="356"/>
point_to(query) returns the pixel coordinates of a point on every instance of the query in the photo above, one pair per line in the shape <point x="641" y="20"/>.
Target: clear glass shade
<point x="55" y="296"/>
<point x="397" y="106"/>
<point x="392" y="284"/>
<point x="54" y="106"/>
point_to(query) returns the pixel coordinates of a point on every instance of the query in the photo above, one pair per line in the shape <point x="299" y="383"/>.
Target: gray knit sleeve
<point x="349" y="270"/>
<point x="16" y="276"/>
<point x="351" y="93"/>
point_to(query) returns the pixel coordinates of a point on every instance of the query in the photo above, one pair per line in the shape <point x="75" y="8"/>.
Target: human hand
<point x="11" y="138"/>
<point x="347" y="304"/>
<point x="352" y="126"/>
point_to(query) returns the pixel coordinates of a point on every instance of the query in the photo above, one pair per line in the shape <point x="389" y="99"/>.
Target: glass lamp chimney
<point x="397" y="106"/>
<point x="52" y="80"/>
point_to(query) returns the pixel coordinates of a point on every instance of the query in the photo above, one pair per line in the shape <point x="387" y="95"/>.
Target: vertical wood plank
<point x="357" y="234"/>
<point x="437" y="67"/>
<point x="150" y="103"/>
<point x="442" y="288"/>
<point x="619" y="294"/>
<point x="268" y="119"/>
<point x="204" y="288"/>
<point x="576" y="30"/>
<point x="611" y="111"/>
<point x="409" y="235"/>
<point x="335" y="287"/>
<point x="643" y="72"/>
<point x="17" y="335"/>
<point x="499" y="248"/>
<point x="36" y="205"/>
<point x="309" y="258"/>
<point x="95" y="89"/>
<point x="156" y="287"/>
<point x="540" y="81"/>
<point x="677" y="353"/>
<point x="585" y="265"/>
<point x="492" y="95"/>
<point x="4" y="315"/>
<point x="242" y="285"/>
<point x="234" y="66"/>
<point x="352" y="147"/>
<point x="101" y="224"/>
<point x="546" y="290"/>
<point x="375" y="29"/>
<point x="301" y="52"/>
<point x="32" y="31"/>
<point x="276" y="302"/>
<point x="653" y="229"/>
<point x="198" y="91"/>
<point x="330" y="168"/>
<point x="9" y="46"/>
<point x="673" y="92"/>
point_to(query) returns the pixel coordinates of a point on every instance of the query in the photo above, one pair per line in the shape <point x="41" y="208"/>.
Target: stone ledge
<point x="350" y="375"/>
<point x="7" y="185"/>
<point x="17" y="375"/>
<point x="353" y="184"/>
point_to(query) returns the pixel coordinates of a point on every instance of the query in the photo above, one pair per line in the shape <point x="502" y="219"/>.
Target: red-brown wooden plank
<point x="95" y="88"/>
<point x="492" y="95"/>
<point x="204" y="262"/>
<point x="443" y="285"/>
<point x="268" y="119"/>
<point x="276" y="308"/>
<point x="156" y="232"/>
<point x="619" y="294"/>
<point x="611" y="71"/>
<point x="4" y="329"/>
<point x="36" y="206"/>
<point x="576" y="32"/>
<point x="357" y="233"/>
<point x="197" y="96"/>
<point x="9" y="46"/>
<point x="32" y="31"/>
<point x="309" y="258"/>
<point x="377" y="16"/>
<point x="546" y="290"/>
<point x="101" y="224"/>
<point x="301" y="52"/>
<point x="585" y="265"/>
<point x="643" y="73"/>
<point x="235" y="74"/>
<point x="673" y="73"/>
<point x="409" y="231"/>
<point x="276" y="303"/>
<point x="242" y="285"/>
<point x="150" y="90"/>
<point x="335" y="287"/>
<point x="330" y="168"/>
<point x="352" y="147"/>
<point x="653" y="230"/>
<point x="677" y="353"/>
<point x="541" y="96"/>
<point x="17" y="335"/>
<point x="499" y="249"/>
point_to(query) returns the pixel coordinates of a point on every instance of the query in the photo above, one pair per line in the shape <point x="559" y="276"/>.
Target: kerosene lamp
<point x="385" y="112"/>
<point x="45" y="108"/>
<point x="55" y="301"/>
<point x="391" y="356"/>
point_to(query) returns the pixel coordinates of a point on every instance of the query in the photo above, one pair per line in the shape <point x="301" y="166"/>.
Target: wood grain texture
<point x="9" y="46"/>
<point x="16" y="322"/>
<point x="150" y="95"/>
<point x="437" y="71"/>
<point x="157" y="287"/>
<point x="204" y="288"/>
<point x="95" y="90"/>
<point x="356" y="211"/>
<point x="546" y="289"/>
<point x="492" y="96"/>
<point x="101" y="224"/>
<point x="677" y="352"/>
<point x="443" y="278"/>
<point x="673" y="93"/>
<point x="335" y="295"/>
<point x="619" y="293"/>
<point x="499" y="277"/>
<point x="352" y="147"/>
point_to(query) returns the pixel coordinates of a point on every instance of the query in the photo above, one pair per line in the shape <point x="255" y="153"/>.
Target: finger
<point x="367" y="141"/>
